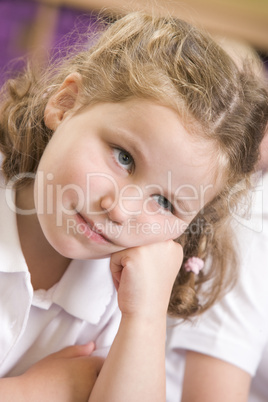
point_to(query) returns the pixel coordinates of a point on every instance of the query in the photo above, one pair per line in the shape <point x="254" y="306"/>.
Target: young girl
<point x="116" y="153"/>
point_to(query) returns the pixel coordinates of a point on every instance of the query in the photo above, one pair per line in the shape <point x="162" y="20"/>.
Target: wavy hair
<point x="169" y="61"/>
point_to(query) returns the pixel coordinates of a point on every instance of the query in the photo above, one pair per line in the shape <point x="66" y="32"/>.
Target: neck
<point x="45" y="264"/>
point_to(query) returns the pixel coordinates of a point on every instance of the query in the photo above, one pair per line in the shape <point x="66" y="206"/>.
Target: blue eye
<point x="163" y="202"/>
<point x="124" y="159"/>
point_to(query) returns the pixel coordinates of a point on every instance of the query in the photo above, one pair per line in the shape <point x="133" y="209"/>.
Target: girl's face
<point x="120" y="175"/>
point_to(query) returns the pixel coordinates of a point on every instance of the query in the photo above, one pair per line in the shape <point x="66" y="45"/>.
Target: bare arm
<point x="209" y="379"/>
<point x="135" y="367"/>
<point x="65" y="376"/>
<point x="11" y="389"/>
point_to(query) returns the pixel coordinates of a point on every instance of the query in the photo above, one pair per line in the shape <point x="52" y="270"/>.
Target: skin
<point x="72" y="366"/>
<point x="144" y="189"/>
<point x="206" y="378"/>
<point x="122" y="200"/>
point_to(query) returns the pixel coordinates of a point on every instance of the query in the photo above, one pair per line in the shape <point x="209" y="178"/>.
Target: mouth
<point x="91" y="230"/>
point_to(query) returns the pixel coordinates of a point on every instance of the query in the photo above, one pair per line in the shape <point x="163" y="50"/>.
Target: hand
<point x="144" y="277"/>
<point x="66" y="376"/>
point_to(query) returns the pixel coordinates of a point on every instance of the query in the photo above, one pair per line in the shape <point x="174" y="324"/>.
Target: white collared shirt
<point x="81" y="307"/>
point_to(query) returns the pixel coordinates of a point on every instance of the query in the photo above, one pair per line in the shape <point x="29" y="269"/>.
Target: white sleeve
<point x="236" y="328"/>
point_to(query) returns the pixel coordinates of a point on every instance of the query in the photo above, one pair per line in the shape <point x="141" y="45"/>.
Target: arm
<point x="135" y="367"/>
<point x="208" y="379"/>
<point x="11" y="389"/>
<point x="65" y="376"/>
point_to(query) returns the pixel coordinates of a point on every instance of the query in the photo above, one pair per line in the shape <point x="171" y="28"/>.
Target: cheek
<point x="173" y="227"/>
<point x="163" y="227"/>
<point x="151" y="207"/>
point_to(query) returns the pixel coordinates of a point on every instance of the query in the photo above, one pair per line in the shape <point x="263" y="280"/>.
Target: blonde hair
<point x="171" y="62"/>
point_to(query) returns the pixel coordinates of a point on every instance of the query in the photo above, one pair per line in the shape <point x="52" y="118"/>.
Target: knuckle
<point x="126" y="261"/>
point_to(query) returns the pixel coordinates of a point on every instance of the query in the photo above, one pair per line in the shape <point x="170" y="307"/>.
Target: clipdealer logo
<point x="50" y="195"/>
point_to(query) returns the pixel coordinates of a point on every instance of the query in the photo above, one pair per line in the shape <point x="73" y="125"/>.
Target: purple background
<point x="17" y="18"/>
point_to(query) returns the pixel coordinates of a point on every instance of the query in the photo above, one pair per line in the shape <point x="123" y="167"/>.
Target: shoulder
<point x="230" y="327"/>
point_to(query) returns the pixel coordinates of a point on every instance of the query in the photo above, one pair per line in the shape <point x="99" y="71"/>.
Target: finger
<point x="89" y="347"/>
<point x="76" y="351"/>
<point x="123" y="259"/>
<point x="119" y="261"/>
<point x="116" y="279"/>
<point x="116" y="263"/>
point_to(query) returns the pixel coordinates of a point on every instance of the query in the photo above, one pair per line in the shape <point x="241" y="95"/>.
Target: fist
<point x="144" y="277"/>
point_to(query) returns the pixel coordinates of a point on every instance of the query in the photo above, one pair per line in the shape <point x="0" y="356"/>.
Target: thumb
<point x="76" y="351"/>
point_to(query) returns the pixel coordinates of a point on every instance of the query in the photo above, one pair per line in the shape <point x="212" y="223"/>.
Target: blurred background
<point x="40" y="27"/>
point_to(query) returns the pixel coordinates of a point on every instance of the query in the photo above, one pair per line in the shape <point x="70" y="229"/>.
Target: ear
<point x="64" y="100"/>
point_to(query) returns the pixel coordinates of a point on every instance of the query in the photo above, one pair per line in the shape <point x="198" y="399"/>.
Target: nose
<point x="121" y="209"/>
<point x="111" y="208"/>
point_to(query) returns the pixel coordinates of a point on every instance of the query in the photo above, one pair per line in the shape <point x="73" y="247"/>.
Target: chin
<point x="72" y="250"/>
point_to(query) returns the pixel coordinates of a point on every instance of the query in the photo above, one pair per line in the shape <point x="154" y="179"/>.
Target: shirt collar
<point x="12" y="259"/>
<point x="86" y="289"/>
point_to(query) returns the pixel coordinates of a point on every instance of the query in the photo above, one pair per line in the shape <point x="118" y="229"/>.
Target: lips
<point x="91" y="230"/>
